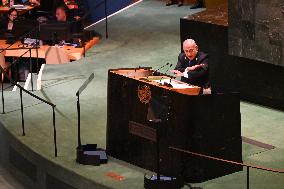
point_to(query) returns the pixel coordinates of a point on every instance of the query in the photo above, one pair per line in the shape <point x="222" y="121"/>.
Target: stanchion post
<point x="158" y="150"/>
<point x="31" y="69"/>
<point x="22" y="112"/>
<point x="247" y="177"/>
<point x="54" y="131"/>
<point x="79" y="121"/>
<point x="2" y="91"/>
<point x="37" y="46"/>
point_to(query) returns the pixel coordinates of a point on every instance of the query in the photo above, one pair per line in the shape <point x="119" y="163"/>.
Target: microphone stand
<point x="155" y="71"/>
<point x="170" y="83"/>
<point x="165" y="72"/>
<point x="160" y="68"/>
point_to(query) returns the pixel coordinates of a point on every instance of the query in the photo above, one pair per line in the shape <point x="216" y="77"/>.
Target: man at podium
<point x="192" y="65"/>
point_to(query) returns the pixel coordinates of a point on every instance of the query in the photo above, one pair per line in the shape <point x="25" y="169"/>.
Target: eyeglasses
<point x="14" y="15"/>
<point x="189" y="50"/>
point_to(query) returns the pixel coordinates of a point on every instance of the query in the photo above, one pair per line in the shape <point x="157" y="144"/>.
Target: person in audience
<point x="7" y="23"/>
<point x="34" y="2"/>
<point x="192" y="65"/>
<point x="198" y="4"/>
<point x="172" y="2"/>
<point x="61" y="14"/>
<point x="51" y="5"/>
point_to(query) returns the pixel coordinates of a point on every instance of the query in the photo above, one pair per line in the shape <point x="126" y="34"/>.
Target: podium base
<point x="164" y="182"/>
<point x="89" y="154"/>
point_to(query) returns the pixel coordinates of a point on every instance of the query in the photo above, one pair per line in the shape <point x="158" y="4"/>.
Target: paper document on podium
<point x="175" y="84"/>
<point x="20" y="7"/>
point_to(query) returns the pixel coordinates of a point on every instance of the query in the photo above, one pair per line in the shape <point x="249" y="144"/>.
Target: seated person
<point x="46" y="8"/>
<point x="34" y="2"/>
<point x="172" y="2"/>
<point x="198" y="4"/>
<point x="7" y="23"/>
<point x="51" y="5"/>
<point x="192" y="65"/>
<point x="61" y="14"/>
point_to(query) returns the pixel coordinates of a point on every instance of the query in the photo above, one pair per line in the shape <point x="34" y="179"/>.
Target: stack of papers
<point x="175" y="84"/>
<point x="19" y="7"/>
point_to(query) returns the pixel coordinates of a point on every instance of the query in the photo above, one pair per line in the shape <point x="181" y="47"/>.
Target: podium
<point x="206" y="124"/>
<point x="209" y="3"/>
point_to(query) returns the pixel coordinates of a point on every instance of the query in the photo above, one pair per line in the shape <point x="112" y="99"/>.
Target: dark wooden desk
<point x="207" y="124"/>
<point x="5" y="9"/>
<point x="72" y="52"/>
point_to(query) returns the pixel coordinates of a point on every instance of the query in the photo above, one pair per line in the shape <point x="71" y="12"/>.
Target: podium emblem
<point x="144" y="93"/>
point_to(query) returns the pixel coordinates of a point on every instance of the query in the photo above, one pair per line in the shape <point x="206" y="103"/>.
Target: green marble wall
<point x="256" y="30"/>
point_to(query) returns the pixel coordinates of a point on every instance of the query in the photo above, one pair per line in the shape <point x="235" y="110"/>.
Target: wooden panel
<point x="208" y="3"/>
<point x="207" y="124"/>
<point x="214" y="3"/>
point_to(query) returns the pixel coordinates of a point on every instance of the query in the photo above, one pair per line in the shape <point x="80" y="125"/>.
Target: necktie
<point x="189" y="63"/>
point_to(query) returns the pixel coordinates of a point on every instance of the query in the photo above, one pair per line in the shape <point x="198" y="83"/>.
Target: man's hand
<point x="177" y="73"/>
<point x="192" y="68"/>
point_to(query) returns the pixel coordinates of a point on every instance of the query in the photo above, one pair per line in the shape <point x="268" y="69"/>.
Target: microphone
<point x="170" y="83"/>
<point x="169" y="68"/>
<point x="166" y="72"/>
<point x="172" y="77"/>
<point x="155" y="71"/>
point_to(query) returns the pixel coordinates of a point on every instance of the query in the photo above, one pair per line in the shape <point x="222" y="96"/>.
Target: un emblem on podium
<point x="144" y="93"/>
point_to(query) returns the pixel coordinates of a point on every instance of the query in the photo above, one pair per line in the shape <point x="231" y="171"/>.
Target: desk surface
<point x="5" y="9"/>
<point x="145" y="76"/>
<point x="73" y="53"/>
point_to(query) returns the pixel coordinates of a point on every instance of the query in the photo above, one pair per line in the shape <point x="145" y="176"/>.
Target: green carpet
<point x="145" y="35"/>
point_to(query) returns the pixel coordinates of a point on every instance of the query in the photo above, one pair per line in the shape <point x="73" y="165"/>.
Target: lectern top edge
<point x="152" y="78"/>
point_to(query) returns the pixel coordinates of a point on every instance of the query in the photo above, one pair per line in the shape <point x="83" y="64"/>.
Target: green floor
<point x="145" y="35"/>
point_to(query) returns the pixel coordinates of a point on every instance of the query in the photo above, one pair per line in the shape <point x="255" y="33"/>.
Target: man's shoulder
<point x="202" y="55"/>
<point x="182" y="54"/>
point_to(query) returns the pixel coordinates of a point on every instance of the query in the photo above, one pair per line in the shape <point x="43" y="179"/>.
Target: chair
<point x="56" y="55"/>
<point x="5" y="66"/>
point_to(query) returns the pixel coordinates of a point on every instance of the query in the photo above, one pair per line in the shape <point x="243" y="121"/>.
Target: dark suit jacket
<point x="51" y="5"/>
<point x="4" y="25"/>
<point x="18" y="2"/>
<point x="198" y="77"/>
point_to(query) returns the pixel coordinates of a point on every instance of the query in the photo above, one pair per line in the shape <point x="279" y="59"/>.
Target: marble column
<point x="256" y="30"/>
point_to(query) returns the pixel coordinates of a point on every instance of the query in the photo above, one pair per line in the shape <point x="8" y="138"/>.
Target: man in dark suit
<point x="198" y="4"/>
<point x="7" y="22"/>
<point x="192" y="65"/>
<point x="51" y="5"/>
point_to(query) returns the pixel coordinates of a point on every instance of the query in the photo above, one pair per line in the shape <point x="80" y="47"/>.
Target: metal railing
<point x="26" y="91"/>
<point x="248" y="166"/>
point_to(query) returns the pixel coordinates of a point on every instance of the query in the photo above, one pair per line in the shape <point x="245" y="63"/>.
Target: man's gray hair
<point x="189" y="41"/>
